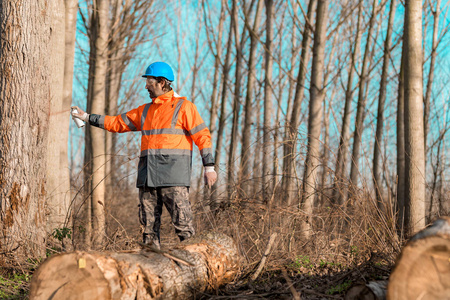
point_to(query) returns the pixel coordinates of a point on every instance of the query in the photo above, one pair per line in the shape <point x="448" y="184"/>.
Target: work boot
<point x="152" y="242"/>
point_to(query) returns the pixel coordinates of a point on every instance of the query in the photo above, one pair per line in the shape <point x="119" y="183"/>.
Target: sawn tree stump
<point x="423" y="268"/>
<point x="140" y="274"/>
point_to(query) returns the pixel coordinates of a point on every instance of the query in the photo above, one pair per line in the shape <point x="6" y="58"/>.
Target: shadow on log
<point x="140" y="274"/>
<point x="422" y="270"/>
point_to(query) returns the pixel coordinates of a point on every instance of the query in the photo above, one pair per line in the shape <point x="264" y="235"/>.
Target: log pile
<point x="422" y="270"/>
<point x="202" y="263"/>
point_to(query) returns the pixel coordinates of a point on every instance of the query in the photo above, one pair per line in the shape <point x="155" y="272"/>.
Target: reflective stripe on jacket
<point x="169" y="126"/>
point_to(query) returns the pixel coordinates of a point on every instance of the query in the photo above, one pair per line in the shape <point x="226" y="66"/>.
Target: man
<point x="170" y="124"/>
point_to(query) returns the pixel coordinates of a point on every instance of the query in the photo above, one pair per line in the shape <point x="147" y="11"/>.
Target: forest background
<point x="328" y="127"/>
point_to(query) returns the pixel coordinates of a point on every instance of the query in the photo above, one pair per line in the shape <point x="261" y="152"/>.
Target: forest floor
<point x="309" y="280"/>
<point x="312" y="280"/>
<point x="346" y="248"/>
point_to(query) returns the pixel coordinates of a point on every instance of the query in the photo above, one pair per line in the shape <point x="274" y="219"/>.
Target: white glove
<point x="210" y="176"/>
<point x="78" y="113"/>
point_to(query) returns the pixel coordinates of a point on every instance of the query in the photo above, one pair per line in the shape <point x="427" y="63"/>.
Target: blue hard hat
<point x="159" y="69"/>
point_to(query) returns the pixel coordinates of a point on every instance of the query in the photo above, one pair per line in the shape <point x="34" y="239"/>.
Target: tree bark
<point x="414" y="133"/>
<point x="422" y="270"/>
<point x="317" y="93"/>
<point x="25" y="90"/>
<point x="139" y="274"/>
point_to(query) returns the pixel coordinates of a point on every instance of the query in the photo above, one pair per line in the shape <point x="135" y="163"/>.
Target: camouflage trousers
<point x="176" y="201"/>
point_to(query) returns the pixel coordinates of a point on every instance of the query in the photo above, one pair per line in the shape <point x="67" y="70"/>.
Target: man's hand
<point x="78" y="113"/>
<point x="210" y="176"/>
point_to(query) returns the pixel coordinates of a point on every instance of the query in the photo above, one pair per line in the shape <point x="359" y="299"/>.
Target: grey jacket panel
<point x="157" y="170"/>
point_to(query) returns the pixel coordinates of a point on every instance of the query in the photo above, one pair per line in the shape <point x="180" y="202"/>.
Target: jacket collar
<point x="163" y="98"/>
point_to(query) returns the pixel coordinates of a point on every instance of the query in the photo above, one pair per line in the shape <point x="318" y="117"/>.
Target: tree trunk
<point x="422" y="270"/>
<point x="414" y="146"/>
<point x="359" y="122"/>
<point x="25" y="84"/>
<point x="97" y="105"/>
<point x="380" y="114"/>
<point x="216" y="79"/>
<point x="140" y="274"/>
<point x="289" y="150"/>
<point x="427" y="99"/>
<point x="401" y="160"/>
<point x="223" y="99"/>
<point x="239" y="42"/>
<point x="317" y="93"/>
<point x="266" y="176"/>
<point x="339" y="192"/>
<point x="246" y="150"/>
<point x="56" y="202"/>
<point x="71" y="7"/>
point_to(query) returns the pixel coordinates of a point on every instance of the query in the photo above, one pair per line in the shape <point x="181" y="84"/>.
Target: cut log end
<point x="139" y="275"/>
<point x="423" y="268"/>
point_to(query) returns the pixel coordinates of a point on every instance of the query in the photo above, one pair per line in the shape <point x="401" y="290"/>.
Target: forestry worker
<point x="169" y="125"/>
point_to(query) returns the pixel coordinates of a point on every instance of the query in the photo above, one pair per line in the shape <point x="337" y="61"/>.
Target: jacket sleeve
<point x="129" y="121"/>
<point x="199" y="132"/>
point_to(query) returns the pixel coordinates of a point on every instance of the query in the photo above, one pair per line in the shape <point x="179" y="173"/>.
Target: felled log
<point x="422" y="270"/>
<point x="202" y="263"/>
<point x="372" y="290"/>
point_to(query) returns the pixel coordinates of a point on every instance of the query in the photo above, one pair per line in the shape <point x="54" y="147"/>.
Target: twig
<point x="294" y="292"/>
<point x="264" y="258"/>
<point x="167" y="254"/>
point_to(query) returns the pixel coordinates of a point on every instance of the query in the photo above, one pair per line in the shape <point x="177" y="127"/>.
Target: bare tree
<point x="414" y="131"/>
<point x="56" y="202"/>
<point x="291" y="135"/>
<point x="246" y="150"/>
<point x="239" y="43"/>
<point x="401" y="160"/>
<point x="222" y="116"/>
<point x="381" y="102"/>
<point x="95" y="140"/>
<point x="359" y="122"/>
<point x="433" y="55"/>
<point x="317" y="93"/>
<point x="24" y="117"/>
<point x="339" y="194"/>
<point x="266" y="178"/>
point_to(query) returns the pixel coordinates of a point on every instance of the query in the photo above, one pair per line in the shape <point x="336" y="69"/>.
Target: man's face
<point x="154" y="88"/>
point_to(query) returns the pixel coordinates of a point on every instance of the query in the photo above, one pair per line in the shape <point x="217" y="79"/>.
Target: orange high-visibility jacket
<point x="169" y="126"/>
